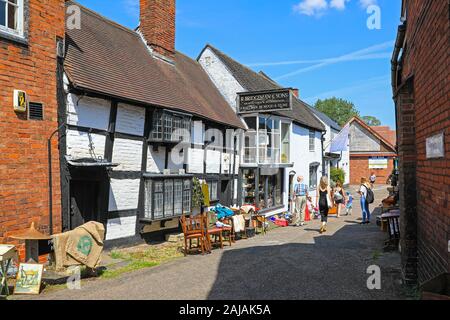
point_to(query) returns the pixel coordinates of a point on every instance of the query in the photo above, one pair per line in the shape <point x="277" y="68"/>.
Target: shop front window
<point x="264" y="189"/>
<point x="249" y="186"/>
<point x="167" y="198"/>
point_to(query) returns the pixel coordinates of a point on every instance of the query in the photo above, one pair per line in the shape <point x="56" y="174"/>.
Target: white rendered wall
<point x="124" y="194"/>
<point x="78" y="145"/>
<point x="156" y="160"/>
<point x="221" y="77"/>
<point x="302" y="157"/>
<point x="130" y="119"/>
<point x="213" y="161"/>
<point x="128" y="154"/>
<point x="121" y="228"/>
<point x="88" y="112"/>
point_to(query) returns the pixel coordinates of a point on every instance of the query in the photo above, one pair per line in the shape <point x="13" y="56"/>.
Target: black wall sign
<point x="265" y="101"/>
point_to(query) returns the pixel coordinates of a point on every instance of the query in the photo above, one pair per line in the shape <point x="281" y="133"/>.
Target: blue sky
<point x="322" y="47"/>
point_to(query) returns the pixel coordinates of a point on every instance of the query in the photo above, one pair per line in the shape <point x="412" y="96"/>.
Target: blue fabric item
<point x="222" y="212"/>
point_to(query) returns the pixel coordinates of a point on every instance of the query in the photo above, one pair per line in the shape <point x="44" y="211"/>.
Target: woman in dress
<point x="324" y="196"/>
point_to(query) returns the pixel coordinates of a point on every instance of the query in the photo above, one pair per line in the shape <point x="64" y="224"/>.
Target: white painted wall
<point x="124" y="194"/>
<point x="156" y="160"/>
<point x="128" y="154"/>
<point x="130" y="119"/>
<point x="88" y="112"/>
<point x="78" y="145"/>
<point x="213" y="161"/>
<point x="121" y="228"/>
<point x="302" y="157"/>
<point x="221" y="77"/>
<point x="195" y="162"/>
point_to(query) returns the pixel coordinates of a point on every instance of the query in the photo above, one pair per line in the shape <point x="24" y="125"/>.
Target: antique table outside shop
<point x="8" y="253"/>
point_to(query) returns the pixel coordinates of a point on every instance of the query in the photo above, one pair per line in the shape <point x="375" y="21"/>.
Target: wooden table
<point x="8" y="253"/>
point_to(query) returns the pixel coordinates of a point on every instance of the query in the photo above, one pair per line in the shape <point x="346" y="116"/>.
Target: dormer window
<point x="11" y="17"/>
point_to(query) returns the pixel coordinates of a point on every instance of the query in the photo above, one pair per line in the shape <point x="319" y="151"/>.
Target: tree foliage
<point x="339" y="110"/>
<point x="337" y="175"/>
<point x="371" y="121"/>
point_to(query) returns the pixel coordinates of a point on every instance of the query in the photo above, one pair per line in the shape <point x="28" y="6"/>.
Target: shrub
<point x="337" y="175"/>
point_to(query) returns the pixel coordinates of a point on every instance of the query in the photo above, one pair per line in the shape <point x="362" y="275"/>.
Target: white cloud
<point x="367" y="3"/>
<point x="370" y="53"/>
<point x="319" y="7"/>
<point x="338" y="4"/>
<point x="311" y="7"/>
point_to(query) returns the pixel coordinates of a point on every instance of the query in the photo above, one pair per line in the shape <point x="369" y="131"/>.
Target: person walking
<point x="323" y="201"/>
<point x="339" y="197"/>
<point x="300" y="196"/>
<point x="363" y="191"/>
<point x="373" y="179"/>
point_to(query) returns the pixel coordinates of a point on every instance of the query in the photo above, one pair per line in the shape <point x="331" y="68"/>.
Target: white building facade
<point x="278" y="146"/>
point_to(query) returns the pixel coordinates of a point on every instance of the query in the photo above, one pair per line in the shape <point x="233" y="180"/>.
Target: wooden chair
<point x="194" y="228"/>
<point x="215" y="232"/>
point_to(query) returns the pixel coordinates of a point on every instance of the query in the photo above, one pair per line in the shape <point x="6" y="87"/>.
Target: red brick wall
<point x="23" y="149"/>
<point x="359" y="167"/>
<point x="426" y="60"/>
<point x="157" y="24"/>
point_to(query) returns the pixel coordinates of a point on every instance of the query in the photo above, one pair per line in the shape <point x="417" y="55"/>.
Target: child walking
<point x="349" y="204"/>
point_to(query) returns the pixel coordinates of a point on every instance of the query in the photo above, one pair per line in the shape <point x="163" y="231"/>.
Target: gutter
<point x="399" y="43"/>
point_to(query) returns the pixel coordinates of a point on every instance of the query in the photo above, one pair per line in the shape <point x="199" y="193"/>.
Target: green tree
<point x="371" y="121"/>
<point x="339" y="110"/>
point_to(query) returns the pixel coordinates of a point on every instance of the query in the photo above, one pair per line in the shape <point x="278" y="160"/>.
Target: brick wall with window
<point x="28" y="33"/>
<point x="422" y="112"/>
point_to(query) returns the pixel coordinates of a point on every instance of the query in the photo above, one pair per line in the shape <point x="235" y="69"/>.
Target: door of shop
<point x="84" y="202"/>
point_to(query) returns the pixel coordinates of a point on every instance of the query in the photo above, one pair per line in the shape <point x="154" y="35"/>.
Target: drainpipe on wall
<point x="323" y="153"/>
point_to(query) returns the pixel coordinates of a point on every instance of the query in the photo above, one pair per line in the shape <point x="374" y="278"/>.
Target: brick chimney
<point x="295" y="92"/>
<point x="157" y="25"/>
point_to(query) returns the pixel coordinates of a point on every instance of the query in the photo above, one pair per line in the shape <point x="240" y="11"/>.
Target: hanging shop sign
<point x="378" y="163"/>
<point x="265" y="101"/>
<point x="20" y="101"/>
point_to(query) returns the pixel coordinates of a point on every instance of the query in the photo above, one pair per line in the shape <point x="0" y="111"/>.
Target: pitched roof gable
<point x="383" y="140"/>
<point x="253" y="81"/>
<point x="107" y="58"/>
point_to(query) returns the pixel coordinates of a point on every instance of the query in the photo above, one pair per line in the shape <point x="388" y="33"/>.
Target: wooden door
<point x="84" y="200"/>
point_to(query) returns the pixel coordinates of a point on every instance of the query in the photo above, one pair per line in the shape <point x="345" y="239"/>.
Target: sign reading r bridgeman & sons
<point x="265" y="101"/>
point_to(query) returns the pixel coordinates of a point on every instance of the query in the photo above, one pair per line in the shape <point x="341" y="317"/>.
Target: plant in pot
<point x="197" y="197"/>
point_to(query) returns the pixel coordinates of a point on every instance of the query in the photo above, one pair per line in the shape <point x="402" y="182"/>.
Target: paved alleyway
<point x="287" y="263"/>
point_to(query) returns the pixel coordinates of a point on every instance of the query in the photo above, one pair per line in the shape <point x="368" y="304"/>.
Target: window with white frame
<point x="263" y="141"/>
<point x="11" y="16"/>
<point x="312" y="140"/>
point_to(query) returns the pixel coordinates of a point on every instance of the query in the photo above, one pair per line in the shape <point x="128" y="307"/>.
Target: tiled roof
<point x="109" y="59"/>
<point x="253" y="81"/>
<point x="326" y="119"/>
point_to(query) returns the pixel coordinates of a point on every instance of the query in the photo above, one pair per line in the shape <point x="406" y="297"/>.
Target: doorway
<point x="225" y="193"/>
<point x="84" y="202"/>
